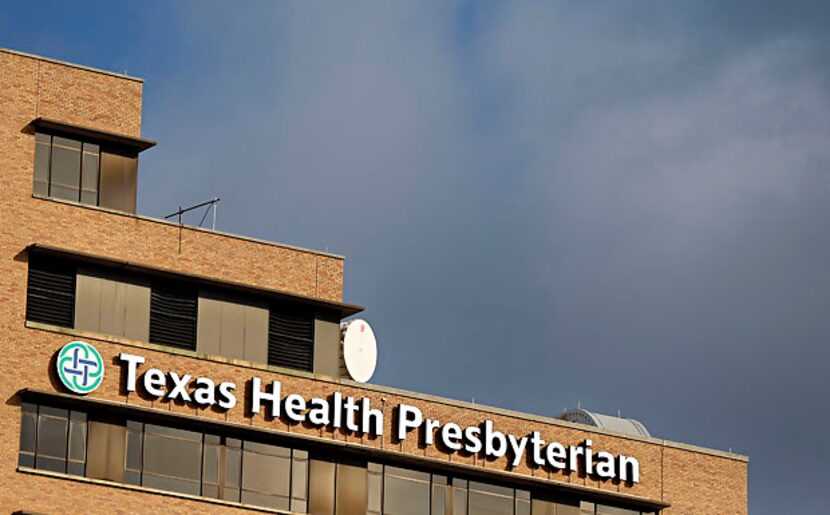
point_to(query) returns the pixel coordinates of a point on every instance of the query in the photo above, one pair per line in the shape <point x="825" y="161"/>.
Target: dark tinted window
<point x="70" y="169"/>
<point x="290" y="337"/>
<point x="173" y="310"/>
<point x="406" y="492"/>
<point x="43" y="149"/>
<point x="266" y="475"/>
<point x="89" y="175"/>
<point x="50" y="296"/>
<point x="172" y="459"/>
<point x="65" y="178"/>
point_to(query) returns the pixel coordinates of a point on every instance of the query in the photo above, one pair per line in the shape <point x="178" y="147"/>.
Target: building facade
<point x="151" y="367"/>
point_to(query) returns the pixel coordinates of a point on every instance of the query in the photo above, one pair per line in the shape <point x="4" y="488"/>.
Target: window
<point x="110" y="303"/>
<point x="232" y="327"/>
<point x="173" y="309"/>
<point x="406" y="492"/>
<point x="222" y="470"/>
<point x="290" y="337"/>
<point x="163" y="457"/>
<point x="81" y="171"/>
<point x="338" y="488"/>
<point x="52" y="439"/>
<point x="257" y="473"/>
<point x="50" y="296"/>
<point x="119" y="175"/>
<point x="105" y="458"/>
<point x="266" y="475"/>
<point x="172" y="459"/>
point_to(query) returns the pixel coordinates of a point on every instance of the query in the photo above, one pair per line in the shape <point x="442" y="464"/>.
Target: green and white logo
<point x="80" y="367"/>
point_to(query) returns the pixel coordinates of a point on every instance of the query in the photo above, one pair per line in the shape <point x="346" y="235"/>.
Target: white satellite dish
<point x="360" y="349"/>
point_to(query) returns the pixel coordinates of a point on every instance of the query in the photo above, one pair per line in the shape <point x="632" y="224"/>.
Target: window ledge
<point x="138" y="488"/>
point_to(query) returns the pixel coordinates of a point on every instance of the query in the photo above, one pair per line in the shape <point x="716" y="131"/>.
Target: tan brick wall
<point x="692" y="481"/>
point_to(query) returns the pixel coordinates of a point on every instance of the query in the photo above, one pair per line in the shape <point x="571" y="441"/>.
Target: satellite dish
<point x="360" y="349"/>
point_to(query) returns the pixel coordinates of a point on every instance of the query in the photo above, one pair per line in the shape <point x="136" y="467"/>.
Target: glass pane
<point x="352" y="490"/>
<point x="117" y="183"/>
<point x="299" y="479"/>
<point x="259" y="499"/>
<point x="321" y="488"/>
<point x="171" y="484"/>
<point x="266" y="473"/>
<point x="89" y="175"/>
<point x="403" y="495"/>
<point x="66" y="169"/>
<point x="134" y="448"/>
<point x="28" y="427"/>
<point x="485" y="499"/>
<point x="375" y="487"/>
<point x="233" y="467"/>
<point x="441" y="500"/>
<point x="52" y="434"/>
<point x="172" y="457"/>
<point x="43" y="143"/>
<point x="77" y="438"/>
<point x="210" y="466"/>
<point x="522" y="507"/>
<point x="459" y="497"/>
<point x="106" y="451"/>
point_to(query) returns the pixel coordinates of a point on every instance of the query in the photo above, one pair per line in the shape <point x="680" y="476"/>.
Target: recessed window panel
<point x="52" y="428"/>
<point x="89" y="175"/>
<point x="352" y="490"/>
<point x="65" y="179"/>
<point x="405" y="492"/>
<point x="117" y="183"/>
<point x="486" y="499"/>
<point x="43" y="148"/>
<point x="107" y="441"/>
<point x="266" y="475"/>
<point x="321" y="487"/>
<point x="172" y="459"/>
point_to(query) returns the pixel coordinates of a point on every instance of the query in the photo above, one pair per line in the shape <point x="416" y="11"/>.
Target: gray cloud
<point x="542" y="203"/>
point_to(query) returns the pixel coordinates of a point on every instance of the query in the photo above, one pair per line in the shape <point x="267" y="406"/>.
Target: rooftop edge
<point x="71" y="65"/>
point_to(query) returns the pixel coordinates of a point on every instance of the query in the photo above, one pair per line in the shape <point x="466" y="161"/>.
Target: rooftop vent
<point x="621" y="425"/>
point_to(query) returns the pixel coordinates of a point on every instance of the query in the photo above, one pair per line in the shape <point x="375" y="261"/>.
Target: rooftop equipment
<point x="358" y="350"/>
<point x="618" y="424"/>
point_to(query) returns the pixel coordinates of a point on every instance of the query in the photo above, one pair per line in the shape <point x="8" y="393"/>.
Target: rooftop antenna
<point x="211" y="208"/>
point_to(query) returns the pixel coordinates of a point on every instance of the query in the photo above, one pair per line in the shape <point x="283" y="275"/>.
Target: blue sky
<point x="541" y="203"/>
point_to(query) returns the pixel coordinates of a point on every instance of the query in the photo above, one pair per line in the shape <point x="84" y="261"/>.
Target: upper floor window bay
<point x="87" y="166"/>
<point x="81" y="171"/>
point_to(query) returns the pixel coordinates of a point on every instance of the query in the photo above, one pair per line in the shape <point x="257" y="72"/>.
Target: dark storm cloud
<point x="619" y="204"/>
<point x="544" y="204"/>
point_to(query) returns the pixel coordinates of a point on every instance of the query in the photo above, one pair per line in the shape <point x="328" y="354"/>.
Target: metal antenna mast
<point x="211" y="208"/>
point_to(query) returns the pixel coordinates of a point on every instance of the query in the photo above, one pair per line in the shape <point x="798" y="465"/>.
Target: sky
<point x="621" y="205"/>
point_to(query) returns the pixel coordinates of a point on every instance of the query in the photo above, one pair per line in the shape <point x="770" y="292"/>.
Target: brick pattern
<point x="693" y="482"/>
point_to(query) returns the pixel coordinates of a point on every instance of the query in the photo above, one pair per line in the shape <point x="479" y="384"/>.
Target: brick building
<point x="151" y="367"/>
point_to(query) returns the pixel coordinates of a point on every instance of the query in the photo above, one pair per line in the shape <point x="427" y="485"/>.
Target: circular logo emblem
<point x="80" y="367"/>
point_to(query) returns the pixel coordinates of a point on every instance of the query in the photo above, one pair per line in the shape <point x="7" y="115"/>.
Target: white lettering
<point x="179" y="387"/>
<point x="294" y="407"/>
<point x="132" y="366"/>
<point x="258" y="396"/>
<point x="153" y="381"/>
<point x="450" y="436"/>
<point x="205" y="393"/>
<point x="409" y="417"/>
